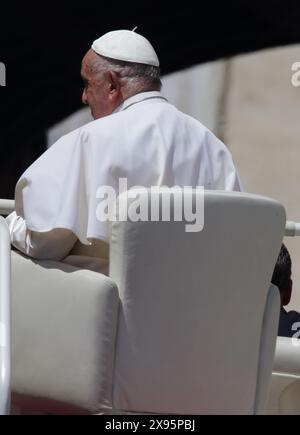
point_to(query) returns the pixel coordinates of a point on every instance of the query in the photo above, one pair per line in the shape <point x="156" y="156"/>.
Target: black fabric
<point x="43" y="81"/>
<point x="289" y="324"/>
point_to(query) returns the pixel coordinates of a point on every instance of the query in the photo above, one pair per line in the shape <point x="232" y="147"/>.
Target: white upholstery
<point x="64" y="326"/>
<point x="267" y="348"/>
<point x="7" y="206"/>
<point x="192" y="312"/>
<point x="284" y="397"/>
<point x="197" y="321"/>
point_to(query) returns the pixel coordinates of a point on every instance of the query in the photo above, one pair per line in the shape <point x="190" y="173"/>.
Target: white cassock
<point x="146" y="140"/>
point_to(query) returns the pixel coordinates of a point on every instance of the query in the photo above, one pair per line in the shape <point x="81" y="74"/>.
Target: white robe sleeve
<point x="50" y="245"/>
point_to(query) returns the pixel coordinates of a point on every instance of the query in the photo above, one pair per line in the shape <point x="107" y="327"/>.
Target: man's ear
<point x="114" y="84"/>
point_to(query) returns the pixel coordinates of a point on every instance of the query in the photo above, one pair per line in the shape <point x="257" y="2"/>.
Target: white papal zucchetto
<point x="126" y="45"/>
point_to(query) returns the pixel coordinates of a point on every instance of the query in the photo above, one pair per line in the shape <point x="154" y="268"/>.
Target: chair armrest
<point x="64" y="322"/>
<point x="287" y="356"/>
<point x="5" y="319"/>
<point x="284" y="394"/>
<point x="7" y="206"/>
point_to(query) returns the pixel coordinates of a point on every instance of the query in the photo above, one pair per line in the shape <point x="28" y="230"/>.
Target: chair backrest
<point x="198" y="322"/>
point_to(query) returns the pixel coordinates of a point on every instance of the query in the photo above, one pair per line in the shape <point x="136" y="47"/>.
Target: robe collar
<point x="138" y="98"/>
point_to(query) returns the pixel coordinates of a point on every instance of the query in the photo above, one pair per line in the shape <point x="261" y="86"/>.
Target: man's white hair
<point x="136" y="77"/>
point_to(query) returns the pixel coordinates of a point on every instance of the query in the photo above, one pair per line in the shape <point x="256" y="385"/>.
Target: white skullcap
<point x="126" y="45"/>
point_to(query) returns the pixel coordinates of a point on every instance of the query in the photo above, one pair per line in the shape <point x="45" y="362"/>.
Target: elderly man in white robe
<point x="136" y="135"/>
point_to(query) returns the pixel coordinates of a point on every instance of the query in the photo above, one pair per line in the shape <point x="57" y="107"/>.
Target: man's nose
<point x="84" y="97"/>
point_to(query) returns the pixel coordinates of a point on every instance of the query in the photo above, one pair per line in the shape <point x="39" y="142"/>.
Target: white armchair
<point x="186" y="323"/>
<point x="284" y="397"/>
